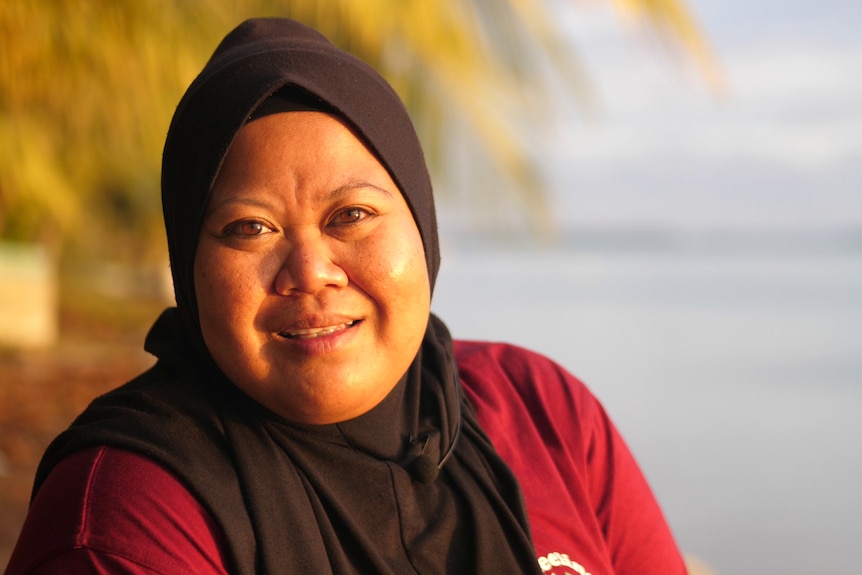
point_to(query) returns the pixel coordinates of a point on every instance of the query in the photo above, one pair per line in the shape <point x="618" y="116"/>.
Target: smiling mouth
<point x="315" y="332"/>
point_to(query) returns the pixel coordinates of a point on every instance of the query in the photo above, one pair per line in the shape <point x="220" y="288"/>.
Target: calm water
<point x="736" y="380"/>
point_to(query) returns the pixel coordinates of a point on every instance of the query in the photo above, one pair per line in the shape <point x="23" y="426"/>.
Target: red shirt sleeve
<point x="590" y="507"/>
<point x="107" y="510"/>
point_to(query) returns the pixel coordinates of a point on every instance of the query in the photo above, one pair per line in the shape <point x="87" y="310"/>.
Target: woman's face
<point x="310" y="273"/>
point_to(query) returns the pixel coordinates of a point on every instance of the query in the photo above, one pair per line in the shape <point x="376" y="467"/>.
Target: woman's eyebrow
<point x="243" y="200"/>
<point x="337" y="194"/>
<point x="341" y="191"/>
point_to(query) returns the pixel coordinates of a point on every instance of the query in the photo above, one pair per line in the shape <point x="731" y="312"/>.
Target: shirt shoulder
<point x="507" y="381"/>
<point x="111" y="510"/>
<point x="590" y="508"/>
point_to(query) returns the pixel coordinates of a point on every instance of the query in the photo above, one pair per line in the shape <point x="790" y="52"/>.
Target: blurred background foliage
<point x="88" y="87"/>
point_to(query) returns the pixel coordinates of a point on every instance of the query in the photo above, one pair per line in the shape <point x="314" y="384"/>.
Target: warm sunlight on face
<point x="310" y="274"/>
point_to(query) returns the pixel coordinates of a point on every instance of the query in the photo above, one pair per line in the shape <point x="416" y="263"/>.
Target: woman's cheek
<point x="395" y="263"/>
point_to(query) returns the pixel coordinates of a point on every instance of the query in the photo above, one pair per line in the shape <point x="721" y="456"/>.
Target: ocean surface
<point x="736" y="380"/>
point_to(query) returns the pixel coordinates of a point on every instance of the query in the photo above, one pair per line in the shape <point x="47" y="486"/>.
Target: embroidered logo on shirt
<point x="551" y="560"/>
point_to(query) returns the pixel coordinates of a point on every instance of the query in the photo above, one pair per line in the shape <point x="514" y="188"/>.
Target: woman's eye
<point x="350" y="216"/>
<point x="247" y="228"/>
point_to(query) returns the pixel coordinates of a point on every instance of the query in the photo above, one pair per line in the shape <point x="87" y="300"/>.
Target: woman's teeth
<point x="316" y="331"/>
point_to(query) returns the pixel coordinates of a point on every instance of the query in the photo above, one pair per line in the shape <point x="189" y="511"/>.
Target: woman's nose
<point x="308" y="267"/>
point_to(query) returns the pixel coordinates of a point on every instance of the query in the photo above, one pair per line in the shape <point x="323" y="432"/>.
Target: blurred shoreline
<point x="778" y="242"/>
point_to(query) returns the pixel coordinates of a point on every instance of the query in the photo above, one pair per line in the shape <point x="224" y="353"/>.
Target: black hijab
<point x="412" y="486"/>
<point x="255" y="60"/>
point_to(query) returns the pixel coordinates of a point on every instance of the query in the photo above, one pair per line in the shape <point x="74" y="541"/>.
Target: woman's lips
<point x="315" y="332"/>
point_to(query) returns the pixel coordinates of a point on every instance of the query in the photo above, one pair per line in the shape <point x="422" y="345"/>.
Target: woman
<point x="307" y="413"/>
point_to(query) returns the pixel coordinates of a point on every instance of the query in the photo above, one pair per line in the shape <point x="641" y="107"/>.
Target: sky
<point x="779" y="148"/>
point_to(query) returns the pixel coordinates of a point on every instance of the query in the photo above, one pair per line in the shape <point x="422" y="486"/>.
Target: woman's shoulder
<point x="482" y="364"/>
<point x="103" y="509"/>
<point x="584" y="492"/>
<point x="167" y="417"/>
<point x="511" y="386"/>
<point x="509" y="356"/>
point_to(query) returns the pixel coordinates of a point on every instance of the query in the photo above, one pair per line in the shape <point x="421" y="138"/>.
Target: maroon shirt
<point x="107" y="510"/>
